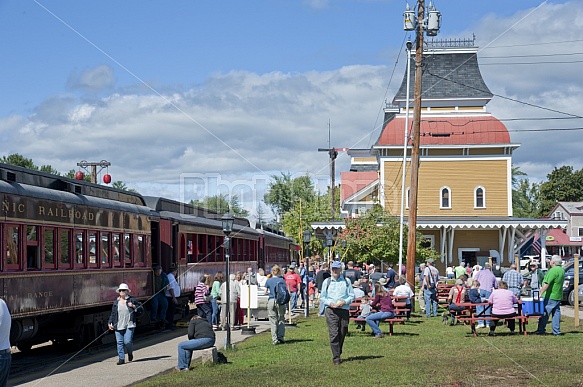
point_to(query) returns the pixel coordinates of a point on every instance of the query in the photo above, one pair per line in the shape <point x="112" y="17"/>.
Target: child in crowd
<point x="365" y="310"/>
<point x="474" y="294"/>
<point x="311" y="292"/>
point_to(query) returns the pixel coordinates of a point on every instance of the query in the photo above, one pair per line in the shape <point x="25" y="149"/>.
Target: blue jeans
<point x="430" y="297"/>
<point x="124" y="338"/>
<point x="159" y="301"/>
<point x="5" y="363"/>
<point x="185" y="349"/>
<point x="483" y="310"/>
<point x="215" y="315"/>
<point x="551" y="307"/>
<point x="373" y="320"/>
<point x="293" y="298"/>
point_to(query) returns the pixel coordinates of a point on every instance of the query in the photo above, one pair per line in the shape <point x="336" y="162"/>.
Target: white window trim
<point x="441" y="197"/>
<point x="476" y="197"/>
<point x="431" y="239"/>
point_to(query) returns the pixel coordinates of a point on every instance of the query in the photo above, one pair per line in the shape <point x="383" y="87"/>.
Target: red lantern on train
<point x="107" y="178"/>
<point x="79" y="175"/>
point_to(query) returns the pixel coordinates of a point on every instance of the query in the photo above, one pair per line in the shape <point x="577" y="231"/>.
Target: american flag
<point x="536" y="244"/>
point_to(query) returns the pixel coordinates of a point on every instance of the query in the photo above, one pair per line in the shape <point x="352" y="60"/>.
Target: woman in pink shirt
<point x="502" y="301"/>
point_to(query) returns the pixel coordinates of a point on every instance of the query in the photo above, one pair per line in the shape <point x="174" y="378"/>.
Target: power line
<point x="529" y="56"/>
<point x="533" y="44"/>
<point x="530" y="63"/>
<point x="507" y="98"/>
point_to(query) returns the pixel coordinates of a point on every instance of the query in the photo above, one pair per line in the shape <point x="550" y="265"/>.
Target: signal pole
<point x="432" y="22"/>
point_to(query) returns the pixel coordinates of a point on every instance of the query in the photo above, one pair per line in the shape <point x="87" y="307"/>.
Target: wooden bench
<point x="521" y="320"/>
<point x="391" y="322"/>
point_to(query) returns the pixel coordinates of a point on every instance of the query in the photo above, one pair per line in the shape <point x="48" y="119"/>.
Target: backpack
<point x="281" y="294"/>
<point x="221" y="358"/>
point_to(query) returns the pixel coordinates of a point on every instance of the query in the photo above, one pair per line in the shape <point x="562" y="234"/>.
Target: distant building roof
<point x="466" y="130"/>
<point x="448" y="73"/>
<point x="353" y="182"/>
<point x="572" y="207"/>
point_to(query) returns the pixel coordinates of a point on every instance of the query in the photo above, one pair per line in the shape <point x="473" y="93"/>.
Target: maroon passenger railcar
<point x="192" y="238"/>
<point x="65" y="247"/>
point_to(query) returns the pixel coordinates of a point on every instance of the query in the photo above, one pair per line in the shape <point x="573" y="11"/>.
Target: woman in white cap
<point x="123" y="321"/>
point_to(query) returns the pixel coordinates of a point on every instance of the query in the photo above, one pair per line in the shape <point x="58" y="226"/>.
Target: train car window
<point x="32" y="250"/>
<point x="217" y="248"/>
<point x="105" y="250"/>
<point x="211" y="249"/>
<point x="64" y="250"/>
<point x="93" y="248"/>
<point x="200" y="248"/>
<point x="116" y="250"/>
<point x="81" y="248"/>
<point x="127" y="245"/>
<point x="49" y="249"/>
<point x="234" y="249"/>
<point x="187" y="252"/>
<point x="141" y="250"/>
<point x="12" y="247"/>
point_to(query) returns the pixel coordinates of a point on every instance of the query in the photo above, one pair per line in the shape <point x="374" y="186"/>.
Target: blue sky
<point x="172" y="91"/>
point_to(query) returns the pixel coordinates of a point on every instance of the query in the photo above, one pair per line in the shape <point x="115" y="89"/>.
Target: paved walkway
<point x="152" y="356"/>
<point x="569" y="311"/>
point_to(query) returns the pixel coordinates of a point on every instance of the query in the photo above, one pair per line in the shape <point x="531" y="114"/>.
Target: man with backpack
<point x="276" y="303"/>
<point x="337" y="294"/>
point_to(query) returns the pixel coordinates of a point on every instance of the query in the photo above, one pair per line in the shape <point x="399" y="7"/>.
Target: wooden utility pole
<point x="411" y="235"/>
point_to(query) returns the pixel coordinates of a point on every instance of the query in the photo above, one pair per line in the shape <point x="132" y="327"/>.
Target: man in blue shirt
<point x="337" y="294"/>
<point x="275" y="312"/>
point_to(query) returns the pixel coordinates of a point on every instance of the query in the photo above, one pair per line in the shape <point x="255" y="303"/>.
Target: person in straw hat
<point x="123" y="321"/>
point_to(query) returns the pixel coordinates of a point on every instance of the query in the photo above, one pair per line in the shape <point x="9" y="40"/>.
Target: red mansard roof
<point x="448" y="131"/>
<point x="353" y="182"/>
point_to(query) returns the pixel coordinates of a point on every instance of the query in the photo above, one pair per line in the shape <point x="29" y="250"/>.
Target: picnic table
<point x="474" y="317"/>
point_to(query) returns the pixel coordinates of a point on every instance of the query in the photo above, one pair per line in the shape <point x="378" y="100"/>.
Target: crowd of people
<point x="334" y="287"/>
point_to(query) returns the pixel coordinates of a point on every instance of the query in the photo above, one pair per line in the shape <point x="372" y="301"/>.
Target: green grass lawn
<point x="421" y="353"/>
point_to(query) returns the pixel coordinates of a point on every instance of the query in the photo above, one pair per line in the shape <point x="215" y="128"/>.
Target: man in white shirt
<point x="172" y="293"/>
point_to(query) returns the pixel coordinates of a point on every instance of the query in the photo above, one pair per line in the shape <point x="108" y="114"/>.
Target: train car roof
<point x="22" y="181"/>
<point x="196" y="219"/>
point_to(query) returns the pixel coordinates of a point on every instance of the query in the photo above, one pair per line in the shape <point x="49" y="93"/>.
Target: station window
<point x="480" y="197"/>
<point x="445" y="198"/>
<point x="49" y="248"/>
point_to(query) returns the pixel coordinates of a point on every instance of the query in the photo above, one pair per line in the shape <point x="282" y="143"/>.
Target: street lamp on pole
<point x="227" y="222"/>
<point x="307" y="237"/>
<point x="329" y="243"/>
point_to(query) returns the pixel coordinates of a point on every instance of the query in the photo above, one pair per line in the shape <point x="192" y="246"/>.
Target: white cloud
<point x="94" y="79"/>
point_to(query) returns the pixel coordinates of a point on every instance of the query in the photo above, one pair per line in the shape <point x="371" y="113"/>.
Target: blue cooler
<point x="533" y="307"/>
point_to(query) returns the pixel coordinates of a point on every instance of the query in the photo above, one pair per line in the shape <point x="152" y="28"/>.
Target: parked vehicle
<point x="568" y="285"/>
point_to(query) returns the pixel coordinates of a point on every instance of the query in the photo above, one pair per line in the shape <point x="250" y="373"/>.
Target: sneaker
<point x="181" y="369"/>
<point x="130" y="357"/>
<point x="491" y="333"/>
<point x="512" y="333"/>
<point x="480" y="326"/>
<point x="281" y="341"/>
<point x="379" y="336"/>
<point x="276" y="342"/>
<point x="336" y="361"/>
<point x="120" y="362"/>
